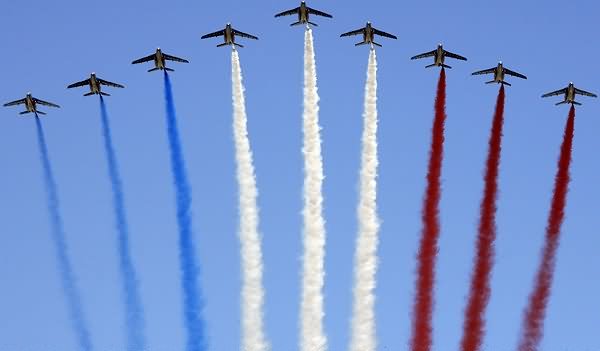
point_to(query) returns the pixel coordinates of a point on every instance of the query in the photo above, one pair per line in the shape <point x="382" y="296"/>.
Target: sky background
<point x="50" y="44"/>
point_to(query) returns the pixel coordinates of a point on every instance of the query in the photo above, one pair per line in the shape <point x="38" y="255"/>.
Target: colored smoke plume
<point x="533" y="319"/>
<point x="192" y="297"/>
<point x="421" y="339"/>
<point x="134" y="312"/>
<point x="479" y="295"/>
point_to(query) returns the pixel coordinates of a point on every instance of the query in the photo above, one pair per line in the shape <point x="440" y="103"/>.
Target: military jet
<point x="439" y="55"/>
<point x="229" y="36"/>
<point x="569" y="92"/>
<point x="303" y="13"/>
<point x="95" y="85"/>
<point x="368" y="33"/>
<point x="31" y="104"/>
<point x="499" y="72"/>
<point x="159" y="59"/>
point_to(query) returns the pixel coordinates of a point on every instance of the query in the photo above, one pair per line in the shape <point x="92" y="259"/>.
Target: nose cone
<point x="499" y="62"/>
<point x="93" y="73"/>
<point x="570" y="83"/>
<point x="439" y="45"/>
<point x="28" y="93"/>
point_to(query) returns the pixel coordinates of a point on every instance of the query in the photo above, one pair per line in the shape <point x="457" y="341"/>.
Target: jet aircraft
<point x="499" y="72"/>
<point x="569" y="94"/>
<point x="95" y="85"/>
<point x="368" y="33"/>
<point x="439" y="55"/>
<point x="229" y="34"/>
<point x="303" y="13"/>
<point x="31" y="103"/>
<point x="159" y="59"/>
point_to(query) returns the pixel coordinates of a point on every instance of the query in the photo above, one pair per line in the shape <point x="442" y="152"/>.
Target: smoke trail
<point x="74" y="304"/>
<point x="423" y="305"/>
<point x="363" y="321"/>
<point x="134" y="313"/>
<point x="252" y="266"/>
<point x="533" y="321"/>
<point x="479" y="295"/>
<point x="311" y="310"/>
<point x="192" y="297"/>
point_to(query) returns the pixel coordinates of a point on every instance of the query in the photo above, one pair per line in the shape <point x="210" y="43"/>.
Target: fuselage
<point x="94" y="84"/>
<point x="30" y="103"/>
<point x="570" y="94"/>
<point x="499" y="74"/>
<point x="159" y="60"/>
<point x="229" y="35"/>
<point x="368" y="35"/>
<point x="303" y="13"/>
<point x="439" y="56"/>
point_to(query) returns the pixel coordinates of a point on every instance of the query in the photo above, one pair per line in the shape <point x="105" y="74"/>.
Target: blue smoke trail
<point x="192" y="298"/>
<point x="78" y="320"/>
<point x="134" y="312"/>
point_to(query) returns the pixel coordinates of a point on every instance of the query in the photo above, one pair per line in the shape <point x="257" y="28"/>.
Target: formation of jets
<point x="303" y="12"/>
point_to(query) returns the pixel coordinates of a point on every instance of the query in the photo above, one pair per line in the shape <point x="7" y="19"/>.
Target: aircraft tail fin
<point x="169" y="69"/>
<point x="89" y="94"/>
<point x="104" y="94"/>
<point x="153" y="69"/>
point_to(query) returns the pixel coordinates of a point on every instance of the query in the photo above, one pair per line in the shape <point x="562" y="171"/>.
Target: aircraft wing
<point x="485" y="71"/>
<point x="583" y="92"/>
<point x="16" y="102"/>
<point x="423" y="55"/>
<point x="215" y="34"/>
<point x="288" y="12"/>
<point x="45" y="103"/>
<point x="245" y="35"/>
<point x="110" y="84"/>
<point x="514" y="74"/>
<point x="354" y="32"/>
<point x="173" y="58"/>
<point x="454" y="56"/>
<point x="144" y="59"/>
<point x="384" y="34"/>
<point x="557" y="92"/>
<point x="318" y="13"/>
<point x="79" y="84"/>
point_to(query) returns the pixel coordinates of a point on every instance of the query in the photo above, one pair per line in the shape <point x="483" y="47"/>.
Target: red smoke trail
<point x="533" y="321"/>
<point x="423" y="305"/>
<point x="479" y="295"/>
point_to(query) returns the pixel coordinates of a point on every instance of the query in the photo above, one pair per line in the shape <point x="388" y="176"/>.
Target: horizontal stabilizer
<point x="576" y="103"/>
<point x="313" y="24"/>
<point x="361" y="43"/>
<point x="377" y="44"/>
<point x="295" y="24"/>
<point x="505" y="83"/>
<point x="39" y="113"/>
<point x="221" y="45"/>
<point x="431" y="65"/>
<point x="169" y="69"/>
<point x="239" y="45"/>
<point x="104" y="94"/>
<point x="24" y="112"/>
<point x="153" y="69"/>
<point x="445" y="66"/>
<point x="89" y="94"/>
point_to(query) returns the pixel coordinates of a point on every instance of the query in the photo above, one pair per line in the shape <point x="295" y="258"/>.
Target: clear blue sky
<point x="47" y="45"/>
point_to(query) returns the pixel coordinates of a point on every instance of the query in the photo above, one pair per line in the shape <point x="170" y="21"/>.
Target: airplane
<point x="159" y="59"/>
<point x="229" y="36"/>
<point x="368" y="33"/>
<point x="303" y="13"/>
<point x="31" y="104"/>
<point x="439" y="56"/>
<point x="569" y="92"/>
<point x="95" y="85"/>
<point x="499" y="72"/>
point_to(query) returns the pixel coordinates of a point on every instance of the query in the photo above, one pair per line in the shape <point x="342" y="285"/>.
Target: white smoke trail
<point x="311" y="310"/>
<point x="363" y="320"/>
<point x="253" y="338"/>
